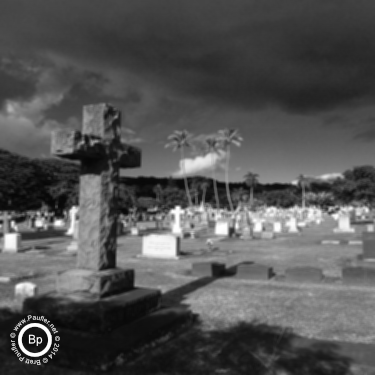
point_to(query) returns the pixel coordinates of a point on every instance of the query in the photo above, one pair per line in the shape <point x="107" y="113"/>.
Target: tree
<point x="251" y="180"/>
<point x="204" y="186"/>
<point x="304" y="183"/>
<point x="228" y="137"/>
<point x="178" y="140"/>
<point x="213" y="146"/>
<point x="158" y="192"/>
<point x="358" y="185"/>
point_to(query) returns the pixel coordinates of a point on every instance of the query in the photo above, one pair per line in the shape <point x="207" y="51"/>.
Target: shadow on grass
<point x="42" y="234"/>
<point x="241" y="349"/>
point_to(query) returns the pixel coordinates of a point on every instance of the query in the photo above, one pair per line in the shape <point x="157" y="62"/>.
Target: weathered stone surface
<point x="101" y="153"/>
<point x="83" y="313"/>
<point x="304" y="275"/>
<point x="98" y="283"/>
<point x="267" y="235"/>
<point x="208" y="269"/>
<point x="359" y="275"/>
<point x="254" y="271"/>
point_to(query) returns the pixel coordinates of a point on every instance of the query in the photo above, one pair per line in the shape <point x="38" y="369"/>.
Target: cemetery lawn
<point x="234" y="315"/>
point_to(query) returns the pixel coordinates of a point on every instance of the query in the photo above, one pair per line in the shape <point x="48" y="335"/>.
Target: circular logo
<point x="35" y="342"/>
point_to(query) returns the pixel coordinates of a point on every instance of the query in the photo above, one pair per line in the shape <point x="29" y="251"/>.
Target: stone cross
<point x="102" y="154"/>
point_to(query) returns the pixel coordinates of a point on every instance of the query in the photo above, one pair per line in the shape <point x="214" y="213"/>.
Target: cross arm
<point x="74" y="145"/>
<point x="130" y="156"/>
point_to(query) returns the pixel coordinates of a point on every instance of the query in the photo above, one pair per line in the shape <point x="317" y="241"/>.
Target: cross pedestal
<point x="97" y="296"/>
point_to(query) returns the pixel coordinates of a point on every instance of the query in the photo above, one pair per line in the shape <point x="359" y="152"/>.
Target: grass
<point x="240" y="321"/>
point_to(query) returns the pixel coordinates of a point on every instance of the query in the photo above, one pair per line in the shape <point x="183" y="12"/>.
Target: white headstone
<point x="164" y="246"/>
<point x="176" y="227"/>
<point x="344" y="225"/>
<point x="277" y="228"/>
<point x="12" y="243"/>
<point x="25" y="290"/>
<point x="73" y="217"/>
<point x="222" y="228"/>
<point x="59" y="223"/>
<point x="292" y="225"/>
<point x="258" y="226"/>
<point x="134" y="231"/>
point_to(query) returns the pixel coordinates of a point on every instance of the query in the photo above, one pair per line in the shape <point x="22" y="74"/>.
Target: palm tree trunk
<point x="214" y="181"/>
<point x="204" y="196"/>
<point x="251" y="196"/>
<point x="303" y="196"/>
<point x="227" y="179"/>
<point x="185" y="178"/>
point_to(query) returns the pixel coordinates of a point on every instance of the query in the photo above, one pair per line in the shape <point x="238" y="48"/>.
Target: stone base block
<point x="359" y="275"/>
<point x="102" y="352"/>
<point x="254" y="271"/>
<point x="304" y="275"/>
<point x="81" y="312"/>
<point x="348" y="230"/>
<point x="208" y="269"/>
<point x="99" y="284"/>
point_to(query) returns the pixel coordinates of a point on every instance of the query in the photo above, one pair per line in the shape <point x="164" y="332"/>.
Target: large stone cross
<point x="102" y="154"/>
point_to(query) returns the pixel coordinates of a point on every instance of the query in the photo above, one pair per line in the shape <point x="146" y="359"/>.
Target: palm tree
<point x="204" y="185"/>
<point x="158" y="190"/>
<point x="213" y="146"/>
<point x="304" y="183"/>
<point x="251" y="180"/>
<point x="178" y="140"/>
<point x="227" y="138"/>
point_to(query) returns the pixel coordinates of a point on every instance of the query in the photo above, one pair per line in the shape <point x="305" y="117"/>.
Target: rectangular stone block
<point x="368" y="239"/>
<point x="208" y="269"/>
<point x="359" y="275"/>
<point x="304" y="275"/>
<point x="82" y="313"/>
<point x="12" y="243"/>
<point x="254" y="271"/>
<point x="222" y="228"/>
<point x="99" y="284"/>
<point x="161" y="246"/>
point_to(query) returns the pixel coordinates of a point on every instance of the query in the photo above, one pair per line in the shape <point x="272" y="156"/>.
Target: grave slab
<point x="208" y="269"/>
<point x="82" y="312"/>
<point x="12" y="243"/>
<point x="358" y="275"/>
<point x="368" y="239"/>
<point x="304" y="275"/>
<point x="253" y="271"/>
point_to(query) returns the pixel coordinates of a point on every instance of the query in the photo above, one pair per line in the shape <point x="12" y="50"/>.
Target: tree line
<point x="30" y="184"/>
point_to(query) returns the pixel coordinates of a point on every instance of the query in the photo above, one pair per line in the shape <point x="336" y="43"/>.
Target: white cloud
<point x="323" y="177"/>
<point x="200" y="163"/>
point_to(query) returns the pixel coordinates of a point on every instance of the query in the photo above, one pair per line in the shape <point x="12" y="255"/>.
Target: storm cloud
<point x="300" y="55"/>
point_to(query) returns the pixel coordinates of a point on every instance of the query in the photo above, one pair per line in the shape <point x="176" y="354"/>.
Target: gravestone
<point x="97" y="296"/>
<point x="253" y="271"/>
<point x="258" y="227"/>
<point x="344" y="225"/>
<point x="73" y="218"/>
<point x="161" y="246"/>
<point x="304" y="275"/>
<point x="222" y="228"/>
<point x="12" y="242"/>
<point x="73" y="247"/>
<point x="292" y="225"/>
<point x="24" y="290"/>
<point x="176" y="227"/>
<point x="368" y="239"/>
<point x="277" y="228"/>
<point x="358" y="275"/>
<point x="208" y="269"/>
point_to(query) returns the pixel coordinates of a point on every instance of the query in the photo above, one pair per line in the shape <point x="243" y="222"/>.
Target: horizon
<point x="296" y="79"/>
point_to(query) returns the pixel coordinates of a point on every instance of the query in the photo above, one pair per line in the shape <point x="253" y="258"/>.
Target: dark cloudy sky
<point x="295" y="77"/>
